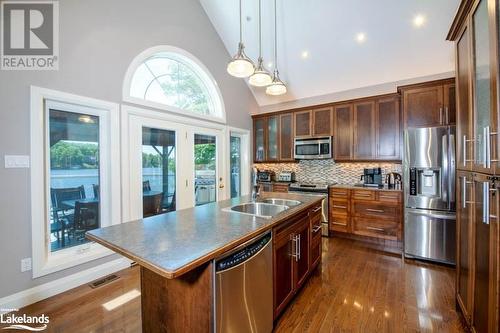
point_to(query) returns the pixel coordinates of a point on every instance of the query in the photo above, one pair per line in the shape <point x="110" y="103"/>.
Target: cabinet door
<point x="423" y="107"/>
<point x="464" y="113"/>
<point x="484" y="274"/>
<point x="464" y="242"/>
<point x="283" y="274"/>
<point x="388" y="131"/>
<point x="259" y="134"/>
<point x="322" y="122"/>
<point x="483" y="105"/>
<point x="364" y="130"/>
<point x="449" y="100"/>
<point x="286" y="137"/>
<point x="272" y="138"/>
<point x="343" y="132"/>
<point x="303" y="123"/>
<point x="302" y="261"/>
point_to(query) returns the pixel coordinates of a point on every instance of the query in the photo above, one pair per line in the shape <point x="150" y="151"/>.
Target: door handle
<point x="316" y="229"/>
<point x="337" y="206"/>
<point x="375" y="210"/>
<point x="317" y="209"/>
<point x="486" y="202"/>
<point x="375" y="229"/>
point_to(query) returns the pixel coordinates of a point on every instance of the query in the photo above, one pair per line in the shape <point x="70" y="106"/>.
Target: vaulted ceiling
<point x="318" y="48"/>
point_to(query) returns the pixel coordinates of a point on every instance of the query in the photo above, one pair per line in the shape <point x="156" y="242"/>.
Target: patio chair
<point x="151" y="205"/>
<point x="146" y="186"/>
<point x="62" y="214"/>
<point x="96" y="189"/>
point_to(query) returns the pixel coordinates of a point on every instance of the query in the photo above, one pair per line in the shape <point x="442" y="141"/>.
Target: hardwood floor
<point x="356" y="290"/>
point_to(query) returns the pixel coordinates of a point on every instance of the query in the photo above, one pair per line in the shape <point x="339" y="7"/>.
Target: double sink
<point x="265" y="208"/>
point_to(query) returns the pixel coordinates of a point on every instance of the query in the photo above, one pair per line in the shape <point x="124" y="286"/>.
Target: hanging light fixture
<point x="261" y="77"/>
<point x="277" y="87"/>
<point x="240" y="65"/>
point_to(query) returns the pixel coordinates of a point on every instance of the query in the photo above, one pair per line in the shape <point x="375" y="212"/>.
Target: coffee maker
<point x="372" y="177"/>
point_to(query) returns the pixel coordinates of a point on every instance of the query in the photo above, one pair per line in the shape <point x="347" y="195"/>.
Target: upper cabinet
<point x="342" y="115"/>
<point x="364" y="130"/>
<point x="259" y="139"/>
<point x="273" y="128"/>
<point x="388" y="129"/>
<point x="286" y="137"/>
<point x="475" y="33"/>
<point x="429" y="104"/>
<point x="303" y="123"/>
<point x="322" y="122"/>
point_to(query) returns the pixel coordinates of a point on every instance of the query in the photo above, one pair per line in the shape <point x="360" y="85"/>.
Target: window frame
<point x="44" y="261"/>
<point x="190" y="61"/>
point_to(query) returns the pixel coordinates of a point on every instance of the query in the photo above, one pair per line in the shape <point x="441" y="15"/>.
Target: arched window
<point x="170" y="78"/>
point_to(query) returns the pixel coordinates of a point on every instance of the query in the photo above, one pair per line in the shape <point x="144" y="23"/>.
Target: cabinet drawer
<point x="375" y="210"/>
<point x="339" y="223"/>
<point x="364" y="195"/>
<point x="389" y="196"/>
<point x="379" y="228"/>
<point x="342" y="193"/>
<point x="280" y="188"/>
<point x="339" y="206"/>
<point x="315" y="217"/>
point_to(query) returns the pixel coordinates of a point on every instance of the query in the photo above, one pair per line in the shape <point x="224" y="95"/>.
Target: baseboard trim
<point x="49" y="289"/>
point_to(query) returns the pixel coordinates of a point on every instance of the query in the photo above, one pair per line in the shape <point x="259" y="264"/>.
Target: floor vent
<point x="103" y="281"/>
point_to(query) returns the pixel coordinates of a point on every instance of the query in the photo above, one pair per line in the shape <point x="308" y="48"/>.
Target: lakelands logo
<point x="23" y="322"/>
<point x="29" y="35"/>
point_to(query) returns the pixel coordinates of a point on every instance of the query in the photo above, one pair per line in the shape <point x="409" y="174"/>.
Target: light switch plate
<point x="17" y="161"/>
<point x="25" y="264"/>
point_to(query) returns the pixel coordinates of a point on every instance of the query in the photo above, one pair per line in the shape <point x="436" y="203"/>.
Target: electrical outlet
<point x="25" y="264"/>
<point x="17" y="161"/>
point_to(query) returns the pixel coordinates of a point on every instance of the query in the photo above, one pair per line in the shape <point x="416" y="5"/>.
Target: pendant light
<point x="240" y="66"/>
<point x="277" y="87"/>
<point x="261" y="77"/>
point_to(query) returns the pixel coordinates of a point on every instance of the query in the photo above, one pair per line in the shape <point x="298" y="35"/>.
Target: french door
<point x="169" y="166"/>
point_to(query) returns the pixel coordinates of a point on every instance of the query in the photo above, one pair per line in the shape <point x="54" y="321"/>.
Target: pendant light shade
<point x="261" y="77"/>
<point x="277" y="87"/>
<point x="240" y="65"/>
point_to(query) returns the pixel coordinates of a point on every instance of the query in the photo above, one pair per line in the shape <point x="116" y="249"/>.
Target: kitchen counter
<point x="177" y="242"/>
<point x="354" y="187"/>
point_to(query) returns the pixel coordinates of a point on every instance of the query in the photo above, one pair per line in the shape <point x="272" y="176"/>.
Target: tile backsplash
<point x="327" y="171"/>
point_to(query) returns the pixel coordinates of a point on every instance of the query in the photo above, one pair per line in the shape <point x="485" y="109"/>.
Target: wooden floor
<point x="356" y="290"/>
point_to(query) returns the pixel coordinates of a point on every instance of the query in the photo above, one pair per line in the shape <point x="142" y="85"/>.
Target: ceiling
<point x="394" y="48"/>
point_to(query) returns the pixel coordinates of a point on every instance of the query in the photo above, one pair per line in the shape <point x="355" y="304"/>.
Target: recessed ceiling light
<point x="419" y="20"/>
<point x="360" y="37"/>
<point x="304" y="54"/>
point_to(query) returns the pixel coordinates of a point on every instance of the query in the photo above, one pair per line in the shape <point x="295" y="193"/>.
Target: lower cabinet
<point x="365" y="212"/>
<point x="477" y="282"/>
<point x="297" y="251"/>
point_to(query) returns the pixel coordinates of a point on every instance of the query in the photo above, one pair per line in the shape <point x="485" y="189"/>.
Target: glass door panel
<point x="158" y="171"/>
<point x="235" y="166"/>
<point x="205" y="169"/>
<point x="272" y="130"/>
<point x="482" y="83"/>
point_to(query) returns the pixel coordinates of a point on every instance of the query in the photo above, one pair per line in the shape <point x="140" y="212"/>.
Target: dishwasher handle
<point x="242" y="253"/>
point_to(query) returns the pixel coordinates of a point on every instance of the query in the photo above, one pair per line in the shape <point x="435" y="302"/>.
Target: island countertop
<point x="177" y="242"/>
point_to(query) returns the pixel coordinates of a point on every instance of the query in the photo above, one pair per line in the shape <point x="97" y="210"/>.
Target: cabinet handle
<point x="293" y="238"/>
<point x="338" y="206"/>
<point x="298" y="248"/>
<point x="375" y="210"/>
<point x="338" y="223"/>
<point x="316" y="229"/>
<point x="441" y="115"/>
<point x="487" y="146"/>
<point x="486" y="202"/>
<point x="464" y="192"/>
<point x="374" y="228"/>
<point x="464" y="149"/>
<point x="317" y="209"/>
<point x="447" y="116"/>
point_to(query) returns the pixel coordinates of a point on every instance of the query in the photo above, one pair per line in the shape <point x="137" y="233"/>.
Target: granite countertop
<point x="174" y="243"/>
<point x="353" y="186"/>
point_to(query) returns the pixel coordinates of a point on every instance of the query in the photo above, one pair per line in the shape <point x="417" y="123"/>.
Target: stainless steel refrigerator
<point x="429" y="176"/>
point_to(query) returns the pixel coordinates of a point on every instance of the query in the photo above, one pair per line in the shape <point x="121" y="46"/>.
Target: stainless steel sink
<point x="259" y="209"/>
<point x="284" y="202"/>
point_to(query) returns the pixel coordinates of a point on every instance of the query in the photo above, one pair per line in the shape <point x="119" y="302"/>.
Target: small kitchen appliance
<point x="286" y="176"/>
<point x="265" y="176"/>
<point x="372" y="177"/>
<point x="313" y="148"/>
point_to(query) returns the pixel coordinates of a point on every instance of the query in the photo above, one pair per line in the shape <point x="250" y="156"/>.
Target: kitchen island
<point x="176" y="252"/>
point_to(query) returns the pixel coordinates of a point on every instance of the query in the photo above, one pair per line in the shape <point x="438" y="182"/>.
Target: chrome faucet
<point x="255" y="185"/>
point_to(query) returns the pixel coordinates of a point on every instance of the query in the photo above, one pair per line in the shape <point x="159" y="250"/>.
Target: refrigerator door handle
<point x="433" y="214"/>
<point x="451" y="161"/>
<point x="444" y="169"/>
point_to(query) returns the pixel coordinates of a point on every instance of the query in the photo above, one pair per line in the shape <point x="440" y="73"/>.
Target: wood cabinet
<point x="388" y="129"/>
<point x="366" y="212"/>
<point x="303" y="123"/>
<point x="429" y="104"/>
<point x="343" y="140"/>
<point x="272" y="145"/>
<point x="297" y="252"/>
<point x="364" y="130"/>
<point x="286" y="137"/>
<point x="322" y="122"/>
<point x="280" y="187"/>
<point x="259" y="139"/>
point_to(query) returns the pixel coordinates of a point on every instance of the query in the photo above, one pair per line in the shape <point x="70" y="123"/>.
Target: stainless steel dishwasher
<point x="244" y="288"/>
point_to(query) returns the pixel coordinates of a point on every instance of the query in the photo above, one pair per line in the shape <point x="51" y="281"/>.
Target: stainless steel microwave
<point x="313" y="148"/>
